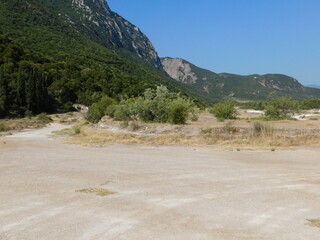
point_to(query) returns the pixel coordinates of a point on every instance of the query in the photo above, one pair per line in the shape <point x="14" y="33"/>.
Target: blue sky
<point x="234" y="36"/>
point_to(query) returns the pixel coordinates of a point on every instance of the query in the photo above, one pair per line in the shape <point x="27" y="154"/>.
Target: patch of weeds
<point x="105" y="183"/>
<point x="206" y="130"/>
<point x="313" y="119"/>
<point x="314" y="222"/>
<point x="124" y="124"/>
<point x="260" y="129"/>
<point x="43" y="118"/>
<point x="98" y="191"/>
<point x="229" y="128"/>
<point x="134" y="126"/>
<point x="77" y="130"/>
<point x="4" y="128"/>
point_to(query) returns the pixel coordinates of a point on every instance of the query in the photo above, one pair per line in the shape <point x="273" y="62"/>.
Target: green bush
<point x="156" y="105"/>
<point x="100" y="109"/>
<point x="224" y="110"/>
<point x="178" y="111"/>
<point x="281" y="108"/>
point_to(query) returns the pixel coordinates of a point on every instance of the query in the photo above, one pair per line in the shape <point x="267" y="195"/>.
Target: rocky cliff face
<point x="101" y="25"/>
<point x="179" y="70"/>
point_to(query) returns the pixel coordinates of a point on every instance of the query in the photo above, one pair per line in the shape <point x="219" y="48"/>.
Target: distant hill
<point x="214" y="86"/>
<point x="313" y="86"/>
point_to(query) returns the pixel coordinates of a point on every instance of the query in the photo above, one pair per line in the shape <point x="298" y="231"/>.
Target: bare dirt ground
<point x="164" y="193"/>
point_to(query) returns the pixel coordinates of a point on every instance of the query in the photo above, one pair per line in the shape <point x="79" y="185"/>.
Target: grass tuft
<point x="98" y="191"/>
<point x="314" y="222"/>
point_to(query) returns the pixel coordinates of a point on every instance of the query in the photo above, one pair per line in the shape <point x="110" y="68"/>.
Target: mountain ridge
<point x="222" y="85"/>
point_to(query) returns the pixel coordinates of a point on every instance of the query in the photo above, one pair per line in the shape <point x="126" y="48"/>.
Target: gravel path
<point x="165" y="193"/>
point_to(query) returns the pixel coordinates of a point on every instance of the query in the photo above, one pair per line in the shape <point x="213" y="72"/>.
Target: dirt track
<point x="164" y="193"/>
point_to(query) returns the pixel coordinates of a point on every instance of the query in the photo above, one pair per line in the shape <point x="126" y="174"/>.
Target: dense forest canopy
<point x="31" y="83"/>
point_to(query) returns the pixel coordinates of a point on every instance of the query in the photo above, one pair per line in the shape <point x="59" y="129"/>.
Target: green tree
<point x="3" y="93"/>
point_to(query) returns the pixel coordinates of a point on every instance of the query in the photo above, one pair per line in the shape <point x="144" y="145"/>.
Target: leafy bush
<point x="281" y="108"/>
<point x="156" y="105"/>
<point x="258" y="105"/>
<point x="77" y="130"/>
<point x="311" y="103"/>
<point x="100" y="109"/>
<point x="178" y="111"/>
<point x="224" y="110"/>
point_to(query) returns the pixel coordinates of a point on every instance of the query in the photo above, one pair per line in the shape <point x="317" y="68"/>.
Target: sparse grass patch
<point x="21" y="123"/>
<point x="229" y="128"/>
<point x="261" y="135"/>
<point x="134" y="126"/>
<point x="4" y="128"/>
<point x="313" y="119"/>
<point x="314" y="222"/>
<point x="77" y="130"/>
<point x="98" y="191"/>
<point x="206" y="130"/>
<point x="261" y="129"/>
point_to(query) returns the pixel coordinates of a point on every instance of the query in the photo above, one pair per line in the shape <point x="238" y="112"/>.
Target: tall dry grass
<point x="260" y="136"/>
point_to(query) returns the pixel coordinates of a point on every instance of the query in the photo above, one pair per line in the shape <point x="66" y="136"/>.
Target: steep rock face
<point x="95" y="19"/>
<point x="179" y="70"/>
<point x="212" y="85"/>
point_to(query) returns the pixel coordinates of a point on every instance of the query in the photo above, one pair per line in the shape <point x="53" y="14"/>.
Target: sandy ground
<point x="164" y="193"/>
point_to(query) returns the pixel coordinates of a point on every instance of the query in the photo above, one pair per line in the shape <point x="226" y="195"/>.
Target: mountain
<point x="214" y="86"/>
<point x="90" y="51"/>
<point x="313" y="86"/>
<point x="44" y="22"/>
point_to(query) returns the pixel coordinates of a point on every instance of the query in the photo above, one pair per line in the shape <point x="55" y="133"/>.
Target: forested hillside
<point x="72" y="64"/>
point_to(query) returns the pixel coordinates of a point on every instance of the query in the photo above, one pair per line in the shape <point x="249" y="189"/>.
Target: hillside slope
<point x="224" y="85"/>
<point x="119" y="59"/>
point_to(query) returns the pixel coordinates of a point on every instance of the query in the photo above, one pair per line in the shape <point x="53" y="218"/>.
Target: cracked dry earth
<point x="50" y="190"/>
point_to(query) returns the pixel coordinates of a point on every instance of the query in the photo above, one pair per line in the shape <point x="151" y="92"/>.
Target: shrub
<point x="224" y="110"/>
<point x="99" y="109"/>
<point x="77" y="130"/>
<point x="178" y="111"/>
<point x="43" y="118"/>
<point x="281" y="107"/>
<point x="157" y="105"/>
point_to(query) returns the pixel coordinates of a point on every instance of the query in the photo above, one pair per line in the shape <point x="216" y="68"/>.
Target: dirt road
<point x="162" y="193"/>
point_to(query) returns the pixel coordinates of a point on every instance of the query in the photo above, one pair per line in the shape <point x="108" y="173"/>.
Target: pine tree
<point x="3" y="93"/>
<point x="31" y="92"/>
<point x="21" y="92"/>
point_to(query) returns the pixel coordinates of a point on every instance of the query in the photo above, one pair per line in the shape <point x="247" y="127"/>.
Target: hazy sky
<point x="234" y="36"/>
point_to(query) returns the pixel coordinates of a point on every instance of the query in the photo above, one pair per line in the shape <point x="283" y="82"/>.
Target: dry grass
<point x="258" y="137"/>
<point x="314" y="222"/>
<point x="22" y="123"/>
<point x="98" y="191"/>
